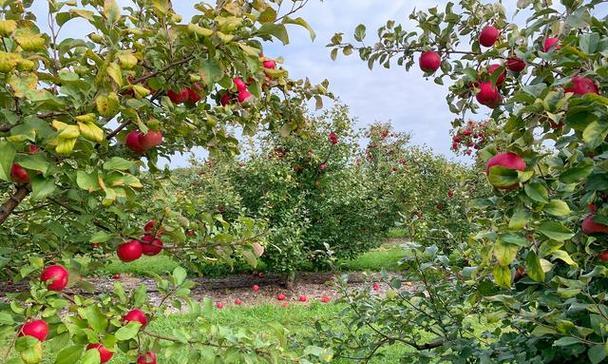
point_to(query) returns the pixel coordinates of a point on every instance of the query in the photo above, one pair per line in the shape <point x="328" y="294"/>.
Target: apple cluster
<point x="474" y="135"/>
<point x="149" y="244"/>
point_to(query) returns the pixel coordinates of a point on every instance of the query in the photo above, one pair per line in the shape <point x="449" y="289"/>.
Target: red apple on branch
<point x="179" y="97"/>
<point x="488" y="36"/>
<point x="55" y="277"/>
<point x="37" y="328"/>
<point x="591" y="227"/>
<point x="19" y="174"/>
<point x="515" y="64"/>
<point x="493" y="68"/>
<point x="147" y="358"/>
<point x="550" y="44"/>
<point x="151" y="139"/>
<point x="151" y="246"/>
<point x="580" y="85"/>
<point x="488" y="94"/>
<point x="136" y="315"/>
<point x="129" y="251"/>
<point x="104" y="354"/>
<point x="133" y="142"/>
<point x="603" y="256"/>
<point x="429" y="61"/>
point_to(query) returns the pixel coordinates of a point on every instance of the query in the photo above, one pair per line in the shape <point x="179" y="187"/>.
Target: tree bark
<point x="9" y="205"/>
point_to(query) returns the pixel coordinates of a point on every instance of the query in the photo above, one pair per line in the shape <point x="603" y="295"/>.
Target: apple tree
<point x="540" y="269"/>
<point x="84" y="123"/>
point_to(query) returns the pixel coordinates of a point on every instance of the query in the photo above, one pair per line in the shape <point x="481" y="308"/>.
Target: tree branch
<point x="163" y="70"/>
<point x="11" y="204"/>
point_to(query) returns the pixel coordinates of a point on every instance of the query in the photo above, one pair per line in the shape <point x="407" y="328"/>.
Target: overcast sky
<point x="411" y="102"/>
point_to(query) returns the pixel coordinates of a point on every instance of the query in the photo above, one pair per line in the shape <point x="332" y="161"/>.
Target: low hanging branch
<point x="11" y="204"/>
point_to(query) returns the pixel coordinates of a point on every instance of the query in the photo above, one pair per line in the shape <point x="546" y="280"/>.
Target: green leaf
<point x="564" y="256"/>
<point x="128" y="332"/>
<point x="250" y="258"/>
<point x="42" y="187"/>
<point x="595" y="133"/>
<point x="117" y="163"/>
<point x="303" y="23"/>
<point x="555" y="230"/>
<point x="111" y="10"/>
<point x="501" y="177"/>
<point x="35" y="162"/>
<point x="597" y="353"/>
<point x="101" y="237"/>
<point x="211" y="71"/>
<point x="88" y="182"/>
<point x="7" y="155"/>
<point x="179" y="274"/>
<point x="588" y="42"/>
<point x="502" y="276"/>
<point x="575" y="174"/>
<point x="566" y="341"/>
<point x="360" y="31"/>
<point x="505" y="253"/>
<point x="557" y="208"/>
<point x="519" y="219"/>
<point x="6" y="319"/>
<point x="277" y="30"/>
<point x="534" y="268"/>
<point x="91" y="357"/>
<point x="269" y="15"/>
<point x="69" y="355"/>
<point x="537" y="192"/>
<point x="96" y="319"/>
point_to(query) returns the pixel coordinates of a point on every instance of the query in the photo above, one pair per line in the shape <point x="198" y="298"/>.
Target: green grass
<point x="160" y="264"/>
<point x="386" y="257"/>
<point x="397" y="233"/>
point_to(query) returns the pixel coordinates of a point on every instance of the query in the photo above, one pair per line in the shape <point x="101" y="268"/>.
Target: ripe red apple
<point x="376" y="286"/>
<point x="129" y="251"/>
<point x="116" y="276"/>
<point x="603" y="256"/>
<point x="325" y="299"/>
<point x="195" y="94"/>
<point x="226" y="98"/>
<point x="582" y="85"/>
<point x="190" y="233"/>
<point x="104" y="354"/>
<point x="219" y="305"/>
<point x="515" y="64"/>
<point x="333" y="138"/>
<point x="488" y="94"/>
<point x="147" y="358"/>
<point x="151" y="139"/>
<point x="450" y="193"/>
<point x="551" y="44"/>
<point x="323" y="166"/>
<point x="501" y="78"/>
<point x="150" y="245"/>
<point x="150" y="225"/>
<point x="488" y="36"/>
<point x="303" y="298"/>
<point x="133" y="142"/>
<point x="429" y="61"/>
<point x="591" y="227"/>
<point x="281" y="297"/>
<point x="55" y="277"/>
<point x="136" y="315"/>
<point x="270" y="64"/>
<point x="179" y="97"/>
<point x="245" y="96"/>
<point x="255" y="288"/>
<point x="33" y="149"/>
<point x="240" y="84"/>
<point x="19" y="174"/>
<point x="507" y="160"/>
<point x="37" y="328"/>
<point x="238" y="301"/>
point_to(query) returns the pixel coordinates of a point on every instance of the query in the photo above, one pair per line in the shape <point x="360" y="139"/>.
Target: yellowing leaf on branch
<point x="91" y="131"/>
<point x="115" y="73"/>
<point x="108" y="105"/>
<point x="29" y="40"/>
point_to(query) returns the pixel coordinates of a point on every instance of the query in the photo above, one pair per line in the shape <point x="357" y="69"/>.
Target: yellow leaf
<point x="140" y="91"/>
<point x="87" y="118"/>
<point x="108" y="106"/>
<point x="197" y="29"/>
<point x="8" y="61"/>
<point x="65" y="146"/>
<point x="29" y="40"/>
<point x="115" y="73"/>
<point x="127" y="60"/>
<point x="91" y="132"/>
<point x="7" y="27"/>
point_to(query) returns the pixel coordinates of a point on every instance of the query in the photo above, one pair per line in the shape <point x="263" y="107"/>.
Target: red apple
<point x="179" y="97"/>
<point x="147" y="358"/>
<point x="333" y="138"/>
<point x="150" y="225"/>
<point x="325" y="299"/>
<point x="323" y="166"/>
<point x="245" y="96"/>
<point x="129" y="251"/>
<point x="190" y="233"/>
<point x="551" y="44"/>
<point x="488" y="94"/>
<point x="488" y="36"/>
<point x="133" y="142"/>
<point x="136" y="315"/>
<point x="603" y="256"/>
<point x="303" y="298"/>
<point x="238" y="301"/>
<point x="116" y="276"/>
<point x="281" y="297"/>
<point x="255" y="288"/>
<point x="55" y="277"/>
<point x="151" y="246"/>
<point x="507" y="160"/>
<point x="19" y="174"/>
<point x="501" y="78"/>
<point x="104" y="354"/>
<point x="219" y="305"/>
<point x="376" y="286"/>
<point x="33" y="149"/>
<point x="240" y="84"/>
<point x="591" y="227"/>
<point x="429" y="61"/>
<point x="582" y="85"/>
<point x="269" y="64"/>
<point x="37" y="328"/>
<point x="226" y="98"/>
<point x="151" y="139"/>
<point x="515" y="64"/>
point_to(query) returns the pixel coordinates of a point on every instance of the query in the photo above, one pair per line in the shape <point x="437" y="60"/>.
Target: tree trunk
<point x="9" y="205"/>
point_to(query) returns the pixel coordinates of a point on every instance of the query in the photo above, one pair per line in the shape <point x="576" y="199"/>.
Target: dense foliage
<point x="541" y="237"/>
<point x="325" y="197"/>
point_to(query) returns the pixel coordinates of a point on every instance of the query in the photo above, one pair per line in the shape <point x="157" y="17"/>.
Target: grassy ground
<point x="385" y="257"/>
